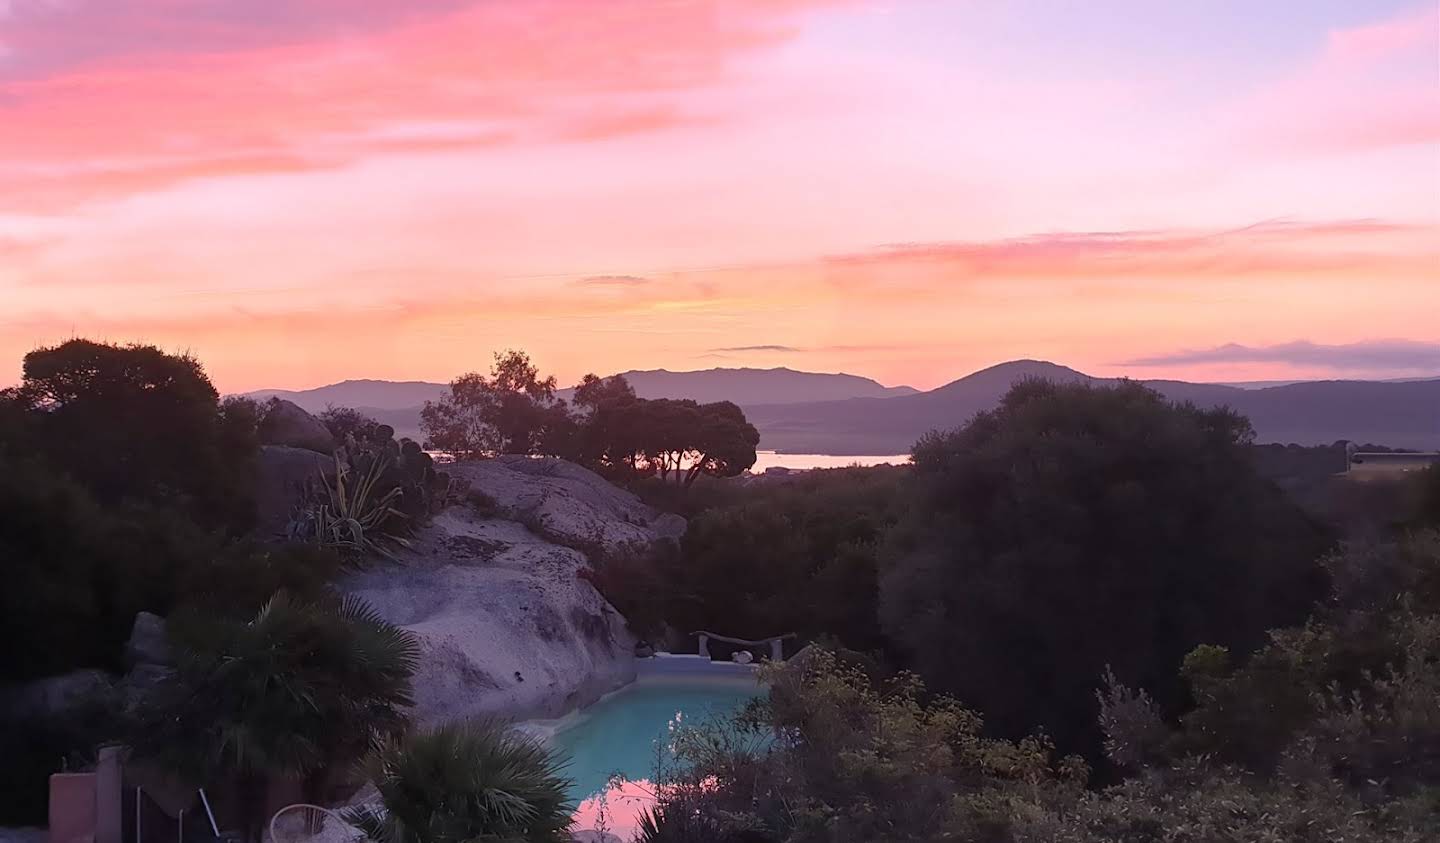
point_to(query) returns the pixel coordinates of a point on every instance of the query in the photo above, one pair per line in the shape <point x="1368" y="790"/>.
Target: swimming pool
<point x="622" y="733"/>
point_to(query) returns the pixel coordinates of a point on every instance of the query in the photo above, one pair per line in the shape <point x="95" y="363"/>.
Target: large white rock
<point x="569" y="504"/>
<point x="509" y="624"/>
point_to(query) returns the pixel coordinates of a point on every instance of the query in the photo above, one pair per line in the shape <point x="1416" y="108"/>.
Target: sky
<point x="303" y="191"/>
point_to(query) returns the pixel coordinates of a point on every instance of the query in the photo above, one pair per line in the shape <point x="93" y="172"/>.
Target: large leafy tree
<point x="512" y="411"/>
<point x="594" y="391"/>
<point x="467" y="781"/>
<point x="135" y="424"/>
<point x="300" y="688"/>
<point x="1075" y="528"/>
<point x="675" y="439"/>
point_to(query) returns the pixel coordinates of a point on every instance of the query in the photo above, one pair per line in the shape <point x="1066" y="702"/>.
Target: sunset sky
<point x="303" y="191"/>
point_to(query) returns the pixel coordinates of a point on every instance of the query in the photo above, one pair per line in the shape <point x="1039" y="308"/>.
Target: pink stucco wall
<point x="72" y="807"/>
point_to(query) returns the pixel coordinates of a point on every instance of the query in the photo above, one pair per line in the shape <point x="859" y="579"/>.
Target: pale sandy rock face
<point x="509" y="624"/>
<point x="568" y="504"/>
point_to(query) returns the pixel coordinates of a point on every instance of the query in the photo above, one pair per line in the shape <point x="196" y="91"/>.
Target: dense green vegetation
<point x="300" y="690"/>
<point x="772" y="558"/>
<point x="1075" y="528"/>
<point x="1069" y="530"/>
<point x="1329" y="733"/>
<point x="463" y="782"/>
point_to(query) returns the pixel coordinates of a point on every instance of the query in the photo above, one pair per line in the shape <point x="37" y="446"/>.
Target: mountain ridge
<point x="1400" y="414"/>
<point x="870" y="418"/>
<point x="765" y="386"/>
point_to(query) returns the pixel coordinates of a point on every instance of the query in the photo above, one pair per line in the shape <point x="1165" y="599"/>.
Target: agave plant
<point x="351" y="515"/>
<point x="467" y="781"/>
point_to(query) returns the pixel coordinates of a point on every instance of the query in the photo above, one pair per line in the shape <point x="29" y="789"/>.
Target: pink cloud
<point x="1370" y="87"/>
<point x="1374" y="250"/>
<point x="1402" y="34"/>
<point x="1268" y="248"/>
<point x="45" y="38"/>
<point x="1089" y="297"/>
<point x="176" y="93"/>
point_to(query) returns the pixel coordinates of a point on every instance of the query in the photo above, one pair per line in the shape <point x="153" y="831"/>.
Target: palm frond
<point x="476" y="780"/>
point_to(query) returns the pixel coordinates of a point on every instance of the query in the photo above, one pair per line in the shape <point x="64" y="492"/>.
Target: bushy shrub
<point x="350" y="424"/>
<point x="796" y="556"/>
<point x="467" y="781"/>
<point x="852" y="759"/>
<point x="76" y="572"/>
<point x="1353" y="690"/>
<point x="240" y="578"/>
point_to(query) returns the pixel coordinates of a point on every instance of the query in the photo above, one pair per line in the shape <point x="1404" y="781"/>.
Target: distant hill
<point x="397" y="403"/>
<point x="1403" y="414"/>
<point x="807" y="412"/>
<point x="756" y="387"/>
<point x="380" y="395"/>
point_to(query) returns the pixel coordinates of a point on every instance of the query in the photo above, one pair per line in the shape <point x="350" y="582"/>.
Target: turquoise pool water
<point x="624" y="732"/>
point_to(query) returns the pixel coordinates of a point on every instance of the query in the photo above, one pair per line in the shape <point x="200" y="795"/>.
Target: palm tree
<point x="466" y="781"/>
<point x="301" y="688"/>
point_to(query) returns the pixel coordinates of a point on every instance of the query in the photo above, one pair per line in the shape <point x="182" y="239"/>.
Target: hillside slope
<point x="1405" y="414"/>
<point x="398" y="403"/>
<point x="746" y="387"/>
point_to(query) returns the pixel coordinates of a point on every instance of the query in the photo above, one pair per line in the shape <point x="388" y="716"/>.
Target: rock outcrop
<point x="495" y="589"/>
<point x="568" y="504"/>
<point x="149" y="643"/>
<point x="286" y="423"/>
<point x="147" y="654"/>
<point x="281" y="475"/>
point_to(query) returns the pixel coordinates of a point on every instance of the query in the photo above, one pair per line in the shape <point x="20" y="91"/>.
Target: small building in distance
<point x="1388" y="462"/>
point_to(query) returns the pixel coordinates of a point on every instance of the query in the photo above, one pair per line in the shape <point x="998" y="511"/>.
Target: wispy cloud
<point x="1398" y="355"/>
<point x="613" y="281"/>
<point x="1269" y="247"/>
<point x="788" y="349"/>
<point x="1371" y="87"/>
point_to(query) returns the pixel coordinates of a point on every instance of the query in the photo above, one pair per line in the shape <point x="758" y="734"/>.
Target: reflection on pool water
<point x="625" y="732"/>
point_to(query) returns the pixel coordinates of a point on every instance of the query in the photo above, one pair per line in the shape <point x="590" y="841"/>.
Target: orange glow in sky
<point x="303" y="191"/>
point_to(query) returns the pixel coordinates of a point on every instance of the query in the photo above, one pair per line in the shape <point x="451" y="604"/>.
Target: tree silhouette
<point x="510" y="412"/>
